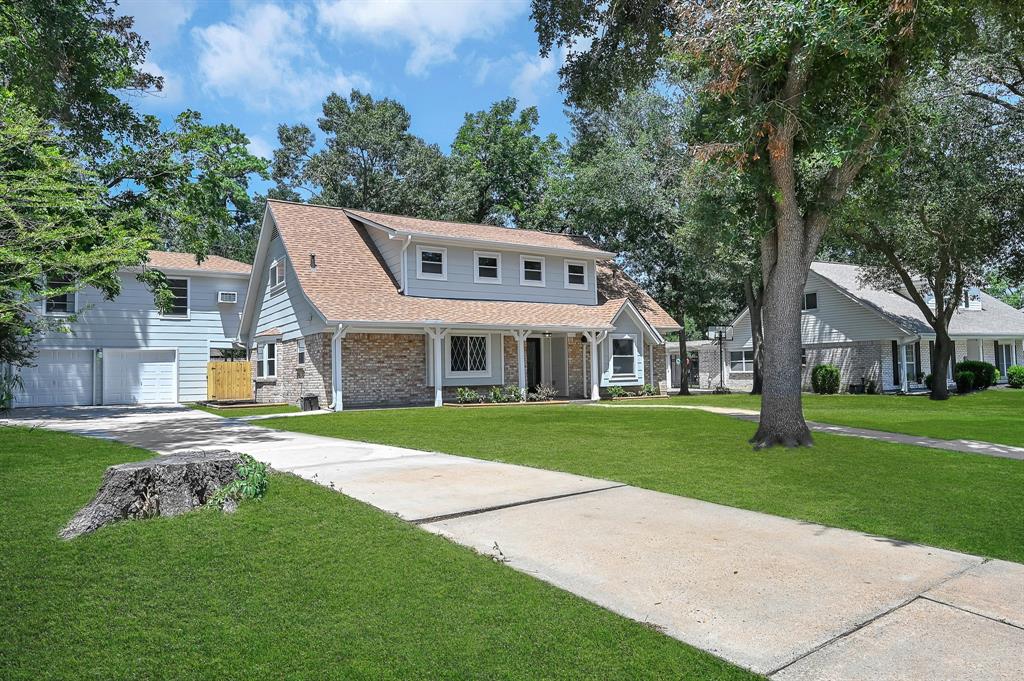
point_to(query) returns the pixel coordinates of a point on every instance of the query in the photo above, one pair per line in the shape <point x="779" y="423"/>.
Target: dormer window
<point x="432" y="263"/>
<point x="488" y="268"/>
<point x="972" y="298"/>
<point x="810" y="302"/>
<point x="575" y="274"/>
<point x="531" y="271"/>
<point x="276" y="280"/>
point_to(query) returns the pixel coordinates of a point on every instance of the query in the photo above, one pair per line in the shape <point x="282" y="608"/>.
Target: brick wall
<point x="294" y="380"/>
<point x="657" y="379"/>
<point x="579" y="365"/>
<point x="510" y="360"/>
<point x="381" y="369"/>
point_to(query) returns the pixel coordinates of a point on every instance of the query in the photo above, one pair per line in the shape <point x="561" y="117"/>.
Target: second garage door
<point x="139" y="376"/>
<point x="59" y="378"/>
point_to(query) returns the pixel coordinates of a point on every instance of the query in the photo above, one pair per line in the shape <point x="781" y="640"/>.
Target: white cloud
<point x="158" y="22"/>
<point x="264" y="56"/>
<point x="173" y="86"/>
<point x="527" y="74"/>
<point x="432" y="29"/>
<point x="259" y="146"/>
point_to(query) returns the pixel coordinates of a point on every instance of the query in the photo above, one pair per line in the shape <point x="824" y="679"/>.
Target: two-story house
<point x="125" y="351"/>
<point x="875" y="336"/>
<point x="358" y="308"/>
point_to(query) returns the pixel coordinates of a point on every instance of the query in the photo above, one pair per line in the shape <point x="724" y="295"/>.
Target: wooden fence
<point x="229" y="380"/>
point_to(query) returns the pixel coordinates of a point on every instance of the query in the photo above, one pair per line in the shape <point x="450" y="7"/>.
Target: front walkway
<point x="782" y="597"/>
<point x="966" y="446"/>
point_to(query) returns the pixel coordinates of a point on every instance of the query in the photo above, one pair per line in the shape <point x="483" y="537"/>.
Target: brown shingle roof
<point x="187" y="261"/>
<point x="352" y="284"/>
<point x="489" y="233"/>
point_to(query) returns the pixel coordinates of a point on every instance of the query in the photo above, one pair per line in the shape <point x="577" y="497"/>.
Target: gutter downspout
<point x="336" y="374"/>
<point x="403" y="271"/>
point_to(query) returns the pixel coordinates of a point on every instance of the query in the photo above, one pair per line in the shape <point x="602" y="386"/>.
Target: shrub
<point x="468" y="396"/>
<point x="8" y="383"/>
<point x="1015" y="376"/>
<point x="543" y="393"/>
<point x="511" y="393"/>
<point x="998" y="377"/>
<point x="984" y="373"/>
<point x="616" y="391"/>
<point x="253" y="478"/>
<point x="964" y="382"/>
<point x="648" y="390"/>
<point x="495" y="393"/>
<point x="825" y="379"/>
<point x="872" y="388"/>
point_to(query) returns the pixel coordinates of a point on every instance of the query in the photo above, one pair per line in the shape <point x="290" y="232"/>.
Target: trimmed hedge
<point x="825" y="379"/>
<point x="1015" y="376"/>
<point x="984" y="373"/>
<point x="964" y="381"/>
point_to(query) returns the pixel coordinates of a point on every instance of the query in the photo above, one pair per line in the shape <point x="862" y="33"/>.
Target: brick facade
<point x="293" y="380"/>
<point x="384" y="369"/>
<point x="579" y="365"/>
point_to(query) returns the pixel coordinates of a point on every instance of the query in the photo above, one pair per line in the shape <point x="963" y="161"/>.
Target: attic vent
<point x="312" y="261"/>
<point x="274" y="234"/>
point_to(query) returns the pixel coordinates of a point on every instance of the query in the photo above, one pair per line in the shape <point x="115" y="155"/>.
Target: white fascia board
<point x="356" y="324"/>
<point x="644" y="324"/>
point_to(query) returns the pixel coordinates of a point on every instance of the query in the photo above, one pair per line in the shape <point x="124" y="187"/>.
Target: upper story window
<point x="467" y="355"/>
<point x="810" y="301"/>
<point x="179" y="297"/>
<point x="275" y="282"/>
<point x="531" y="270"/>
<point x="623" y="357"/>
<point x="63" y="303"/>
<point x="432" y="263"/>
<point x="741" y="360"/>
<point x="487" y="268"/>
<point x="972" y="298"/>
<point x="575" y="274"/>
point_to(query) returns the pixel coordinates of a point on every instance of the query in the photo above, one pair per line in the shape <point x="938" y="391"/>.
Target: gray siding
<point x="624" y="325"/>
<point x="132" y="321"/>
<point x="287" y="310"/>
<point x="389" y="249"/>
<point x="460" y="282"/>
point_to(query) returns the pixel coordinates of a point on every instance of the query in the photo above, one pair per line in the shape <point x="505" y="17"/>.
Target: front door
<point x="533" y="355"/>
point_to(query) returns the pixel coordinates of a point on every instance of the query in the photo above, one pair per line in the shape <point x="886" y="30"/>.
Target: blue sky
<point x="258" y="64"/>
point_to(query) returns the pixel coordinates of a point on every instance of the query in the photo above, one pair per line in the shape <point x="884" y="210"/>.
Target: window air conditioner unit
<point x="227" y="296"/>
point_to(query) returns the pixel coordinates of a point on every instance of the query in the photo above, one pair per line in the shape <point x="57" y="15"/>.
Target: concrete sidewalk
<point x="965" y="446"/>
<point x="782" y="597"/>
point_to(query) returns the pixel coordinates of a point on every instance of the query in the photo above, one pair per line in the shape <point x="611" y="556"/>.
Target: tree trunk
<point x="756" y="331"/>
<point x="782" y="418"/>
<point x="684" y="359"/>
<point x="944" y="349"/>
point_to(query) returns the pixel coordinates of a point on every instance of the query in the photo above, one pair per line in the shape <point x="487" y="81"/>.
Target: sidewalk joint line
<point x="973" y="612"/>
<point x="500" y="507"/>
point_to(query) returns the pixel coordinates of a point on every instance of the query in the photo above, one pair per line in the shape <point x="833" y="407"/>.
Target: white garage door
<point x="139" y="376"/>
<point x="59" y="378"/>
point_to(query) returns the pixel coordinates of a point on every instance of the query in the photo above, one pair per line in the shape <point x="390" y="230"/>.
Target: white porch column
<point x="981" y="350"/>
<point x="668" y="369"/>
<point x="336" y="373"/>
<point x="904" y="379"/>
<point x="437" y="335"/>
<point x="520" y="336"/>
<point x="594" y="339"/>
<point x="1013" y="344"/>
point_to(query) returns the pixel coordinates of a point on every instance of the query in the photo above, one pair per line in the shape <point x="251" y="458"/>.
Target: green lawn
<point x="990" y="415"/>
<point x="958" y="501"/>
<point x="304" y="584"/>
<point x="235" y="412"/>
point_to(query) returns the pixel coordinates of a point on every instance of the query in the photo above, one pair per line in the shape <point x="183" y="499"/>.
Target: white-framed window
<point x="276" y="282"/>
<point x="62" y="304"/>
<point x="431" y="263"/>
<point x="803" y="357"/>
<point x="467" y="355"/>
<point x="741" y="361"/>
<point x="486" y="267"/>
<point x="301" y="347"/>
<point x="179" y="298"/>
<point x="266" y="360"/>
<point x="810" y="301"/>
<point x="623" y="356"/>
<point x="575" y="274"/>
<point x="531" y="270"/>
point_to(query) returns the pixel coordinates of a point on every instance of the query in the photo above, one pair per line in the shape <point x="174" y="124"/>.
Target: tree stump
<point x="164" y="485"/>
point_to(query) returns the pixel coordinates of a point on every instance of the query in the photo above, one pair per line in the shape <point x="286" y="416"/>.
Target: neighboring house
<point x="875" y="336"/>
<point x="675" y="361"/>
<point x="357" y="308"/>
<point x="124" y="351"/>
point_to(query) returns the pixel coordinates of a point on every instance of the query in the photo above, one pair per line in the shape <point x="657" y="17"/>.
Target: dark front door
<point x="694" y="370"/>
<point x="532" y="363"/>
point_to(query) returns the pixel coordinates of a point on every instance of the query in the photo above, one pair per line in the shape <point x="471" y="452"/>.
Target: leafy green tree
<point x="56" y="235"/>
<point x="503" y="168"/>
<point x="625" y="187"/>
<point x="1003" y="287"/>
<point x="369" y="160"/>
<point x="69" y="60"/>
<point x="191" y="182"/>
<point x="793" y="94"/>
<point x="935" y="217"/>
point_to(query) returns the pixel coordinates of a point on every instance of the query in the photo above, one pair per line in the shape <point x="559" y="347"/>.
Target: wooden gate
<point x="229" y="381"/>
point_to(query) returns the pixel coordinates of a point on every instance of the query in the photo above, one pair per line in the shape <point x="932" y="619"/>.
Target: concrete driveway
<point x="790" y="599"/>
